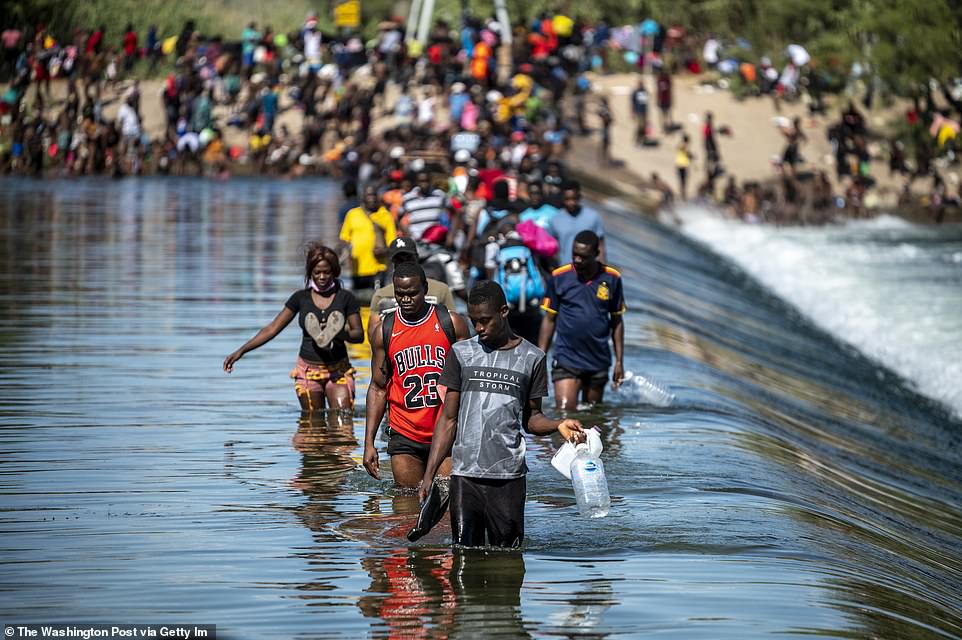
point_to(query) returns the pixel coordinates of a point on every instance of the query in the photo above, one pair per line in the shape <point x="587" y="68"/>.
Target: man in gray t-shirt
<point x="495" y="383"/>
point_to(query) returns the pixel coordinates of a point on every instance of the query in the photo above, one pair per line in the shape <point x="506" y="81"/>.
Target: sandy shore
<point x="747" y="154"/>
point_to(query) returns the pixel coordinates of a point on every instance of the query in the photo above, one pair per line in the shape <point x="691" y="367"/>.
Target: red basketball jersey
<point x="416" y="354"/>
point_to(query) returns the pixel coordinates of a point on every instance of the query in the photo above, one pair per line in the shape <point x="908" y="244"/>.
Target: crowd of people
<point x="456" y="405"/>
<point x="305" y="102"/>
<point x="803" y="191"/>
<point x="451" y="157"/>
<point x="222" y="101"/>
<point x="466" y="195"/>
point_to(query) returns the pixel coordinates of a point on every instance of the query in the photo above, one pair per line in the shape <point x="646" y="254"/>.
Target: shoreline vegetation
<point x="811" y="133"/>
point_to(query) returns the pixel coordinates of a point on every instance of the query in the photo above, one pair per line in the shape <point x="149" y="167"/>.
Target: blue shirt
<point x="456" y="105"/>
<point x="565" y="227"/>
<point x="583" y="313"/>
<point x="541" y="216"/>
<point x="487" y="216"/>
<point x="269" y="103"/>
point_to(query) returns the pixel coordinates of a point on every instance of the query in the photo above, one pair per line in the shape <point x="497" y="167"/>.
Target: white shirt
<point x="312" y="45"/>
<point x="129" y="122"/>
<point x="426" y="111"/>
<point x="710" y="52"/>
<point x="390" y="42"/>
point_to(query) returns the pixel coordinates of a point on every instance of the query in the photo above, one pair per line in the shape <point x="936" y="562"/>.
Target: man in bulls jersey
<point x="408" y="354"/>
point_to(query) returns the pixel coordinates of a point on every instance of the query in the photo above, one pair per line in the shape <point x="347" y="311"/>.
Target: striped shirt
<point x="423" y="211"/>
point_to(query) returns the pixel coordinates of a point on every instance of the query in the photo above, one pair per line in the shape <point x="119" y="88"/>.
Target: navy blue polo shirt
<point x="583" y="313"/>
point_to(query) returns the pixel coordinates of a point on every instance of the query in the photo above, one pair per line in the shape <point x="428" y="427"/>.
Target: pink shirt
<point x="10" y="38"/>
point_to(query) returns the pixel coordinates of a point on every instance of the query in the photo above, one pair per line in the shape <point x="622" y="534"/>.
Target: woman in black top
<point x="329" y="316"/>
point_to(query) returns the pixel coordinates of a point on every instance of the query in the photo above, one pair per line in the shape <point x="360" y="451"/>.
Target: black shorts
<point x="481" y="507"/>
<point x="594" y="379"/>
<point x="398" y="444"/>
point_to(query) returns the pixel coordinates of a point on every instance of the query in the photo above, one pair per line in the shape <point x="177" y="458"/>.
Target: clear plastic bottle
<point x="652" y="392"/>
<point x="590" y="484"/>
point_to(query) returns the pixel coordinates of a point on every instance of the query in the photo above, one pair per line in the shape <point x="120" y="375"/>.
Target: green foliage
<point x="55" y="14"/>
<point x="909" y="42"/>
<point x="213" y="17"/>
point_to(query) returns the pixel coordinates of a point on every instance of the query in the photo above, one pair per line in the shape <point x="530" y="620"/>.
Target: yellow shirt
<point x="563" y="25"/>
<point x="358" y="231"/>
<point x="946" y="133"/>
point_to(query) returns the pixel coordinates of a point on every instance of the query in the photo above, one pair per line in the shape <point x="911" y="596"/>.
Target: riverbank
<point x="749" y="153"/>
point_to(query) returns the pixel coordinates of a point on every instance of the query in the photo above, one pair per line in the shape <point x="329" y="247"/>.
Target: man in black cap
<point x="403" y="250"/>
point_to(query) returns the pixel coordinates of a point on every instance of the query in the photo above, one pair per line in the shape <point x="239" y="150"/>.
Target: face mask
<point x="327" y="289"/>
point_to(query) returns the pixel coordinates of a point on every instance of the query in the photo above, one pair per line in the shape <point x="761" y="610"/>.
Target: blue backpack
<point x="519" y="276"/>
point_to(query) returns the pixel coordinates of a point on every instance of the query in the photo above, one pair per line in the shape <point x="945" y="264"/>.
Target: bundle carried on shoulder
<point x="537" y="239"/>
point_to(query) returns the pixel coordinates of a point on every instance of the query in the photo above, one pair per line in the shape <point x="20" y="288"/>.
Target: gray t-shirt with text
<point x="495" y="385"/>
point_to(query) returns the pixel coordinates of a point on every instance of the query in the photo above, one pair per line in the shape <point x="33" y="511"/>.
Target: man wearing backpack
<point x="407" y="356"/>
<point x="515" y="268"/>
<point x="499" y="213"/>
<point x="583" y="308"/>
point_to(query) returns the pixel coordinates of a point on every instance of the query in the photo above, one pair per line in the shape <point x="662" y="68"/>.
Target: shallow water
<point x="793" y="486"/>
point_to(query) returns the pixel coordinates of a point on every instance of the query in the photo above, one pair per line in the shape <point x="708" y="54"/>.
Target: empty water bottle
<point x="590" y="484"/>
<point x="648" y="391"/>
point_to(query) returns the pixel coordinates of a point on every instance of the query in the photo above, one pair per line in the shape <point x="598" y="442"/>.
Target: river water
<point x="794" y="486"/>
<point x="901" y="285"/>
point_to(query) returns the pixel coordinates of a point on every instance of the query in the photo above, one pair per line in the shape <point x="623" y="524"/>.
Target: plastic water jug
<point x="590" y="484"/>
<point x="566" y="454"/>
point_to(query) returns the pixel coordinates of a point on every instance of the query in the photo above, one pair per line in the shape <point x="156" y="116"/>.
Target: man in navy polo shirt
<point x="584" y="307"/>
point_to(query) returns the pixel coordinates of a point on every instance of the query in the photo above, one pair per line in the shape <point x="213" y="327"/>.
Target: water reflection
<point x="584" y="616"/>
<point x="883" y="610"/>
<point x="326" y="442"/>
<point x="449" y="593"/>
<point x="488" y="587"/>
<point x="411" y="593"/>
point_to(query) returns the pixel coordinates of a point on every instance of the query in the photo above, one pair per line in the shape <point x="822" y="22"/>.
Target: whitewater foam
<point x="890" y="288"/>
